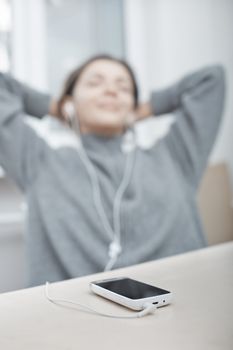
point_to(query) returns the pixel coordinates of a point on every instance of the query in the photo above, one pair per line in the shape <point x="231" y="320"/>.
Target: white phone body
<point x="132" y="303"/>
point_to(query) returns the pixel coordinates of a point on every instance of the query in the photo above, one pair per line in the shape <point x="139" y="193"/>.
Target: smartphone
<point x="131" y="293"/>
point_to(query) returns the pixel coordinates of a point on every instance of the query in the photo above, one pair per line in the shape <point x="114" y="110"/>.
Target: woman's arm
<point x="34" y="103"/>
<point x="20" y="147"/>
<point x="197" y="102"/>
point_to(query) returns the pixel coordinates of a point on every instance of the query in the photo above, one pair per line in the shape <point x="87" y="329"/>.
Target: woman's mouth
<point x="108" y="106"/>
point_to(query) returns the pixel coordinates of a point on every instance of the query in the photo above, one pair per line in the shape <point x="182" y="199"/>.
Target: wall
<point x="179" y="36"/>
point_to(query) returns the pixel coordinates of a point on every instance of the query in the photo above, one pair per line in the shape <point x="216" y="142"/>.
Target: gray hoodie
<point x="65" y="237"/>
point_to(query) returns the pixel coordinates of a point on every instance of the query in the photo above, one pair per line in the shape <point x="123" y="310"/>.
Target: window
<point x="5" y="35"/>
<point x="77" y="29"/>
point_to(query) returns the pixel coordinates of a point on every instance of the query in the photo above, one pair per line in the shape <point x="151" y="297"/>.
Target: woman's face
<point x="103" y="97"/>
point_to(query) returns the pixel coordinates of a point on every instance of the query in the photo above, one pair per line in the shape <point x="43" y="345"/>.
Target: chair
<point x="216" y="204"/>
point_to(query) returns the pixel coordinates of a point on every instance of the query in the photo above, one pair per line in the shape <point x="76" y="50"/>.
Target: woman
<point x="104" y="202"/>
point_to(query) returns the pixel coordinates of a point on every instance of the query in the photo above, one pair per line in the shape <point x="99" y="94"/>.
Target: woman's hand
<point x="53" y="108"/>
<point x="143" y="111"/>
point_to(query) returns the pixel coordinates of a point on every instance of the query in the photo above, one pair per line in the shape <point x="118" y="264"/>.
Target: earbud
<point x="68" y="110"/>
<point x="71" y="117"/>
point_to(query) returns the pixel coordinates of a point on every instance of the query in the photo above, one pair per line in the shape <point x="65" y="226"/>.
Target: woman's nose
<point x="110" y="89"/>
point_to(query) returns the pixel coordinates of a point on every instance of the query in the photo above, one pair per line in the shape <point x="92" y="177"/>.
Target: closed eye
<point x="93" y="83"/>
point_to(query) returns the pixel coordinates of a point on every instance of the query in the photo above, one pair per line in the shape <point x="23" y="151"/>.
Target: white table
<point x="201" y="316"/>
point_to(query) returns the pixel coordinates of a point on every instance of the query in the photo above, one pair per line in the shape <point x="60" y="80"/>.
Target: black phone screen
<point x="132" y="289"/>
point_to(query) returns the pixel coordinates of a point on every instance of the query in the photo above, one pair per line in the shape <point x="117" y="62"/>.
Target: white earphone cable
<point x="149" y="308"/>
<point x="115" y="246"/>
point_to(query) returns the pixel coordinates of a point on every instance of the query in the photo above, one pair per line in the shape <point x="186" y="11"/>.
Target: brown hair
<point x="75" y="75"/>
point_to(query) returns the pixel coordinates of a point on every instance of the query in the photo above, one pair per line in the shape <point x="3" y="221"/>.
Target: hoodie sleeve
<point x="34" y="103"/>
<point x="20" y="146"/>
<point x="197" y="102"/>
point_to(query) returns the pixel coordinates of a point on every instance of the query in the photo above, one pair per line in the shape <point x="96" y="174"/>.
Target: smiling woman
<point x="93" y="204"/>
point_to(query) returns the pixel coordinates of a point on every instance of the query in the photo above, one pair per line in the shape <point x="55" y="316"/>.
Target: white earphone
<point x="115" y="246"/>
<point x="128" y="146"/>
<point x="68" y="110"/>
<point x="148" y="308"/>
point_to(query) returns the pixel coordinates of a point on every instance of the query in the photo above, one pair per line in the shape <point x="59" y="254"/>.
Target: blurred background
<point x="42" y="40"/>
